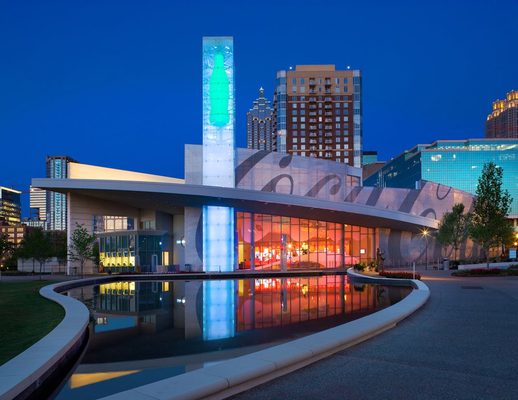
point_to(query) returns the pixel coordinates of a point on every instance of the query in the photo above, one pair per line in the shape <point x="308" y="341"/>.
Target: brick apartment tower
<point x="503" y="120"/>
<point x="318" y="113"/>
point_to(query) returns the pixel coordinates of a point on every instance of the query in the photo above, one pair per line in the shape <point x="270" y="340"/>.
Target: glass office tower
<point x="10" y="206"/>
<point x="455" y="163"/>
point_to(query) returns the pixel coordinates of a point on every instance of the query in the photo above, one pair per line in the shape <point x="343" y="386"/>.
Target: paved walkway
<point x="36" y="277"/>
<point x="463" y="344"/>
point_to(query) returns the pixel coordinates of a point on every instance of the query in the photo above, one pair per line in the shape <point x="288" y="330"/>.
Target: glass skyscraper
<point x="57" y="168"/>
<point x="455" y="163"/>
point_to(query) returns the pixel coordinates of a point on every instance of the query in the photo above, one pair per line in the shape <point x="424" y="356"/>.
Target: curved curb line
<point x="29" y="368"/>
<point x="242" y="373"/>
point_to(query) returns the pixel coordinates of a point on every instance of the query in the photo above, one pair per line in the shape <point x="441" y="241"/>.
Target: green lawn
<point x="25" y="316"/>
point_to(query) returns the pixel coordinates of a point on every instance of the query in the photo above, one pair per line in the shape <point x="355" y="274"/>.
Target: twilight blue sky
<point x="118" y="83"/>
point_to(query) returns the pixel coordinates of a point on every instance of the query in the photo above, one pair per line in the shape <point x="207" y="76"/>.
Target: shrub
<point x="480" y="272"/>
<point x="454" y="264"/>
<point x="486" y="271"/>
<point x="359" y="267"/>
<point x="400" y="275"/>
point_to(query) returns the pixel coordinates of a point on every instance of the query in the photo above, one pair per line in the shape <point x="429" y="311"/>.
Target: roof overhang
<point x="168" y="197"/>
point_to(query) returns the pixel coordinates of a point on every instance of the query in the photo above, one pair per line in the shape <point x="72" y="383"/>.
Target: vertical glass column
<point x="218" y="150"/>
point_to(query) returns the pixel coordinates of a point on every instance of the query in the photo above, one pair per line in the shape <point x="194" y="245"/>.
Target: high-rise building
<point x="260" y="130"/>
<point x="503" y="120"/>
<point x="57" y="168"/>
<point x="318" y="113"/>
<point x="38" y="204"/>
<point x="455" y="163"/>
<point x="10" y="206"/>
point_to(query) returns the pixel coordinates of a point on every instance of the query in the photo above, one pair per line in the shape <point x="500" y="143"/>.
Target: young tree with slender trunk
<point x="453" y="229"/>
<point x="82" y="246"/>
<point x="489" y="225"/>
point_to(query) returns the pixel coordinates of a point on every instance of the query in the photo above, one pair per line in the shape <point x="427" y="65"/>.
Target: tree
<point x="489" y="225"/>
<point x="6" y="247"/>
<point x="81" y="247"/>
<point x="36" y="245"/>
<point x="453" y="228"/>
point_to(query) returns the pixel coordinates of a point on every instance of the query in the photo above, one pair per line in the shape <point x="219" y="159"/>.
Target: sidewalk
<point x="463" y="344"/>
<point x="36" y="277"/>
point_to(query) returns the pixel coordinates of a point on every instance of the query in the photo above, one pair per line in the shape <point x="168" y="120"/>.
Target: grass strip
<point x="25" y="316"/>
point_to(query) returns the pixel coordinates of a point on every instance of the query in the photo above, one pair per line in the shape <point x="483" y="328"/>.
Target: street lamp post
<point x="425" y="233"/>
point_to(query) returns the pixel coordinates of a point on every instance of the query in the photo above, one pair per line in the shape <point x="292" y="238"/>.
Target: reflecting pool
<point x="143" y="331"/>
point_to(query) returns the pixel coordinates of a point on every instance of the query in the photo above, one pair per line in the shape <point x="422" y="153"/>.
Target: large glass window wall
<point x="130" y="251"/>
<point x="272" y="242"/>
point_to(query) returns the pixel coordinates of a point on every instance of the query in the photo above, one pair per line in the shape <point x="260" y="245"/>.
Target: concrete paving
<point x="463" y="344"/>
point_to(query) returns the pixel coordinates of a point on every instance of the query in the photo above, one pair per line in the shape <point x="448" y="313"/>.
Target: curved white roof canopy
<point x="168" y="197"/>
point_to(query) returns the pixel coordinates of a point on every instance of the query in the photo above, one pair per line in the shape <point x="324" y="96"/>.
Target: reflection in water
<point x="160" y="329"/>
<point x="162" y="319"/>
<point x="218" y="309"/>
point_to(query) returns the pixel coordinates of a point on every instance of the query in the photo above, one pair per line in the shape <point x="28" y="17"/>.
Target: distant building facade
<point x="503" y="120"/>
<point x="318" y="113"/>
<point x="369" y="157"/>
<point x="15" y="233"/>
<point x="455" y="163"/>
<point x="370" y="163"/>
<point x="38" y="204"/>
<point x="260" y="132"/>
<point x="57" y="168"/>
<point x="10" y="206"/>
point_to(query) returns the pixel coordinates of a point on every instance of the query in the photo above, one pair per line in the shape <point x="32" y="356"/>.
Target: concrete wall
<point x="85" y="171"/>
<point x="178" y="234"/>
<point x="81" y="211"/>
<point x="193" y="238"/>
<point x="52" y="266"/>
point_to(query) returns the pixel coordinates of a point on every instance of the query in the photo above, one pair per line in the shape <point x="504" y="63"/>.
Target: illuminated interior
<point x="308" y="243"/>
